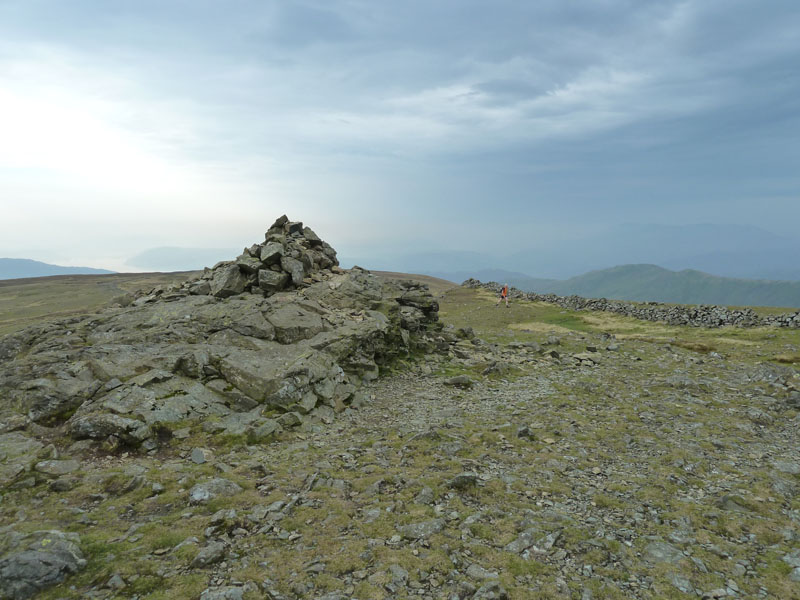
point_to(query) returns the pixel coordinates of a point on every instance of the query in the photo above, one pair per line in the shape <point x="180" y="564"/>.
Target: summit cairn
<point x="291" y="256"/>
<point x="278" y="337"/>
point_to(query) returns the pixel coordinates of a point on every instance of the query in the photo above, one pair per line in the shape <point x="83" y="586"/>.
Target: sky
<point x="389" y="126"/>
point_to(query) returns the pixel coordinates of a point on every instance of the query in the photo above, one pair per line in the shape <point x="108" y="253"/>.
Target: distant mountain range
<point x="653" y="283"/>
<point x="18" y="268"/>
<point x="739" y="251"/>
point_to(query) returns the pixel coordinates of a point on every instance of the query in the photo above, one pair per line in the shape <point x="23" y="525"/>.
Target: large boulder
<point x="228" y="281"/>
<point x="40" y="560"/>
<point x="55" y="399"/>
<point x="101" y="425"/>
<point x="272" y="281"/>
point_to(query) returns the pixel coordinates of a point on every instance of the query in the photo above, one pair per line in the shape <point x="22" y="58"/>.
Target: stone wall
<point x="694" y="316"/>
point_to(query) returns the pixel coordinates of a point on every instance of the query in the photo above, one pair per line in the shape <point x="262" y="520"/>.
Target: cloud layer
<point x="451" y="124"/>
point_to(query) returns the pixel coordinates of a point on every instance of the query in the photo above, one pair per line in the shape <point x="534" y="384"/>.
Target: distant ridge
<point x="654" y="283"/>
<point x="20" y="268"/>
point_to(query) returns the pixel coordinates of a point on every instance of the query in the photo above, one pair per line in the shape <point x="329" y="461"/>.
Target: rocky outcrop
<point x="279" y="336"/>
<point x="694" y="316"/>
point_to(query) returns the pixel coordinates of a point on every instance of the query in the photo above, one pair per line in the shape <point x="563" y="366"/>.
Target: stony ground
<point x="560" y="461"/>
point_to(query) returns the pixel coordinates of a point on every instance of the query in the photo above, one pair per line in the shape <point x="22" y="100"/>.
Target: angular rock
<point x="228" y="592"/>
<point x="228" y="281"/>
<point x="462" y="381"/>
<point x="248" y="264"/>
<point x="54" y="400"/>
<point x="209" y="555"/>
<point x="293" y="323"/>
<point x="56" y="468"/>
<point x="663" y="552"/>
<point x="421" y="531"/>
<point x="294" y="267"/>
<point x="271" y="253"/>
<point x="463" y="481"/>
<point x="99" y="426"/>
<point x="266" y="430"/>
<point x="491" y="591"/>
<point x="47" y="559"/>
<point x="209" y="490"/>
<point x="272" y="281"/>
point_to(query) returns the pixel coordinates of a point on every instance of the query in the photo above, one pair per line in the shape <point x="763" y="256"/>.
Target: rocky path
<point x="638" y="472"/>
<point x="674" y="480"/>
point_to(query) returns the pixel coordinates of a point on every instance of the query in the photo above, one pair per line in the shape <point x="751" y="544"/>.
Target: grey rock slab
<point x="478" y="572"/>
<point x="271" y="253"/>
<point x="792" y="559"/>
<point x="50" y="399"/>
<point x="229" y="592"/>
<point x="425" y="496"/>
<point x="228" y="281"/>
<point x="47" y="558"/>
<point x="681" y="582"/>
<point x="209" y="555"/>
<point x="272" y="281"/>
<point x="57" y="468"/>
<point x="100" y="426"/>
<point x="462" y="381"/>
<point x="239" y="423"/>
<point x="399" y="575"/>
<point x="734" y="503"/>
<point x="788" y="467"/>
<point x="248" y="264"/>
<point x="293" y="323"/>
<point x="422" y="530"/>
<point x="463" y="481"/>
<point x="261" y="374"/>
<point x="294" y="267"/>
<point x="290" y="419"/>
<point x="209" y="490"/>
<point x="268" y="429"/>
<point x="491" y="591"/>
<point x="15" y="444"/>
<point x="663" y="552"/>
<point x="524" y="540"/>
<point x="201" y="455"/>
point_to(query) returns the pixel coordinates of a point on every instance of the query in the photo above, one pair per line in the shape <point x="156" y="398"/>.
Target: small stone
<point x="478" y="572"/>
<point x="116" y="582"/>
<point x="423" y="530"/>
<point x="462" y="381"/>
<point x="663" y="552"/>
<point x="201" y="455"/>
<point x="211" y="554"/>
<point x="57" y="467"/>
<point x="463" y="481"/>
<point x="205" y="492"/>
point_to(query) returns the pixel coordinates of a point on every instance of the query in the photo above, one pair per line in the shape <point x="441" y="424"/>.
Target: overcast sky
<point x="390" y="125"/>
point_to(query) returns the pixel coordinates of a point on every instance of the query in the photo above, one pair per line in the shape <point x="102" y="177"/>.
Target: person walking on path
<point x="503" y="296"/>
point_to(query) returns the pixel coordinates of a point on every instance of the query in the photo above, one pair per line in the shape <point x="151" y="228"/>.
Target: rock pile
<point x="694" y="316"/>
<point x="276" y="338"/>
<point x="291" y="256"/>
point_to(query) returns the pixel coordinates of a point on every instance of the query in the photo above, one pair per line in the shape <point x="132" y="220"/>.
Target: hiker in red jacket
<point x="503" y="296"/>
